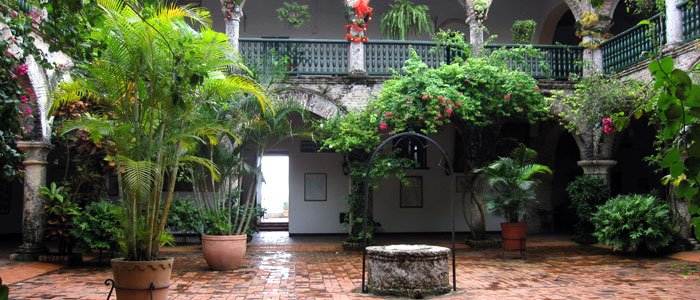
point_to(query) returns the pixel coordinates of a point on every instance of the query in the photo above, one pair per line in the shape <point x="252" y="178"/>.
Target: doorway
<point x="274" y="191"/>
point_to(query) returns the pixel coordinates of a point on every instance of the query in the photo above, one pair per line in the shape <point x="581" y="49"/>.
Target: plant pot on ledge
<point x="224" y="252"/>
<point x="132" y="279"/>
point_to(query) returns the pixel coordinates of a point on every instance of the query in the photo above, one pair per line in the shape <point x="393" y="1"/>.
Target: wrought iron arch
<point x="450" y="172"/>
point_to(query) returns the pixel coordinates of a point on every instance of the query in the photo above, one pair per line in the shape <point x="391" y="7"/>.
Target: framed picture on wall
<point x="411" y="196"/>
<point x="315" y="187"/>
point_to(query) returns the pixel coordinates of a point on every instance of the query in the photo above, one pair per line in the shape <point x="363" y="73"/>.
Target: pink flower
<point x="388" y="115"/>
<point x="23" y="98"/>
<point x="569" y="78"/>
<point x="27" y="111"/>
<point x="520" y="110"/>
<point x="409" y="98"/>
<point x="383" y="126"/>
<point x="420" y="118"/>
<point x="441" y="98"/>
<point x="507" y="96"/>
<point x="405" y="117"/>
<point x="437" y="107"/>
<point x="609" y="126"/>
<point x="459" y="103"/>
<point x="537" y="88"/>
<point x="20" y="137"/>
<point x="425" y="96"/>
<point x="448" y="111"/>
<point x="21" y="69"/>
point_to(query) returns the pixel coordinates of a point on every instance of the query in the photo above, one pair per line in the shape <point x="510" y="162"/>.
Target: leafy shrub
<point x="219" y="225"/>
<point x="633" y="221"/>
<point x="586" y="193"/>
<point x="60" y="211"/>
<point x="184" y="217"/>
<point x="4" y="291"/>
<point x="523" y="31"/>
<point x="98" y="227"/>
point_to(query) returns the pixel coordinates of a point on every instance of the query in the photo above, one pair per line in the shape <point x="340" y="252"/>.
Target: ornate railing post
<point x="674" y="23"/>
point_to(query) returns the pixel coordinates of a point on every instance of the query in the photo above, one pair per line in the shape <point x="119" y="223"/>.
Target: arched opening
<point x="551" y="23"/>
<point x="566" y="156"/>
<point x="632" y="173"/>
<point x="565" y="30"/>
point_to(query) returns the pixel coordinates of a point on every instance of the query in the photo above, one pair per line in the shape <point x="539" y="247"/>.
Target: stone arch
<point x="455" y="24"/>
<point x="315" y="102"/>
<point x="550" y="23"/>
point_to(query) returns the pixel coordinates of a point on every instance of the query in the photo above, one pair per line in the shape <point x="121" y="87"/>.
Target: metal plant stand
<point x="450" y="172"/>
<point x="151" y="287"/>
<point x="521" y="248"/>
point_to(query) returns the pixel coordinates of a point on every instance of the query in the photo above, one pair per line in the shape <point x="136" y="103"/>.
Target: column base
<point x="29" y="253"/>
<point x="597" y="168"/>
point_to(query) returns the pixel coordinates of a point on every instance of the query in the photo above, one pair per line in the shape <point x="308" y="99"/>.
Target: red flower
<point x="569" y="78"/>
<point x="425" y="96"/>
<point x="609" y="126"/>
<point x="383" y="126"/>
<point x="388" y="115"/>
<point x="23" y="98"/>
<point x="441" y="98"/>
<point x="27" y="111"/>
<point x="362" y="8"/>
<point x="459" y="103"/>
<point x="448" y="111"/>
<point x="537" y="88"/>
<point x="409" y="98"/>
<point x="507" y="96"/>
<point x="21" y="69"/>
<point x="420" y="118"/>
<point x="439" y="115"/>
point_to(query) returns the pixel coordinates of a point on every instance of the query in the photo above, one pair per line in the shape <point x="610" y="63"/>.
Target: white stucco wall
<point x="327" y="17"/>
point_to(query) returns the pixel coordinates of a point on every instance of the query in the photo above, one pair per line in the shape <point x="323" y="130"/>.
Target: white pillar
<point x="674" y="23"/>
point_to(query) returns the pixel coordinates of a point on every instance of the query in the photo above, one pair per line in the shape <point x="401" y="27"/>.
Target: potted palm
<point x="152" y="79"/>
<point x="513" y="182"/>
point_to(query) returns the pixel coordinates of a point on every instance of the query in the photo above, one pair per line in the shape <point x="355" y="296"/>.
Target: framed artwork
<point x="411" y="196"/>
<point x="315" y="187"/>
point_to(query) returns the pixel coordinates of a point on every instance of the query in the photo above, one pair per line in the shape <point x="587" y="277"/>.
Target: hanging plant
<point x="592" y="24"/>
<point x="294" y="14"/>
<point x="481" y="11"/>
<point x="523" y="31"/>
<point x="358" y="16"/>
<point x="404" y="18"/>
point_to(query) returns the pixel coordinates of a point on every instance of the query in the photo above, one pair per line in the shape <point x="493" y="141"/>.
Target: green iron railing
<point x="690" y="14"/>
<point x="557" y="61"/>
<point x="628" y="47"/>
<point x="306" y="57"/>
<point x="385" y="57"/>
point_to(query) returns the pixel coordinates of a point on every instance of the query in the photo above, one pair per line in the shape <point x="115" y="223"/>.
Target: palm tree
<point x="153" y="81"/>
<point x="512" y="179"/>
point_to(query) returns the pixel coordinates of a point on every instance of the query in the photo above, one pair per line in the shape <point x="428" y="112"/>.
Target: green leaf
<point x="693" y="209"/>
<point x="667" y="64"/>
<point x="677" y="169"/>
<point x="673" y="156"/>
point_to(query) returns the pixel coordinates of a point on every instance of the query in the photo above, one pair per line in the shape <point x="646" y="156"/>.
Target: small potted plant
<point x="285" y="209"/>
<point x="293" y="13"/>
<point x="513" y="183"/>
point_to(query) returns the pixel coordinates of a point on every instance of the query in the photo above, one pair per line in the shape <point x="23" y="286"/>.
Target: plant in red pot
<point x="513" y="182"/>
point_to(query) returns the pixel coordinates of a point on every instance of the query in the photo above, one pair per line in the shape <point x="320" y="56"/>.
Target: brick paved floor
<point x="552" y="272"/>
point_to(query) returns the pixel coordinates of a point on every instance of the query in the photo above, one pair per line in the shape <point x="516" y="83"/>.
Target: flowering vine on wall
<point x="358" y="15"/>
<point x="592" y="25"/>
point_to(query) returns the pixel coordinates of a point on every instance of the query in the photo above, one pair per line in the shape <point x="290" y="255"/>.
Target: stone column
<point x="597" y="168"/>
<point x="232" y="20"/>
<point x="674" y="23"/>
<point x="33" y="216"/>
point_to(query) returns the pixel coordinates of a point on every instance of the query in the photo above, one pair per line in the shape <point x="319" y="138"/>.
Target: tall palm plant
<point x="513" y="181"/>
<point x="404" y="18"/>
<point x="153" y="79"/>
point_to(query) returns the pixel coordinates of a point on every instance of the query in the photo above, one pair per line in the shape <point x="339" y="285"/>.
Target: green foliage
<point x="4" y="291"/>
<point x="586" y="194"/>
<point x="633" y="221"/>
<point x="405" y="18"/>
<point x="97" y="228"/>
<point x="294" y="14"/>
<point x="220" y="225"/>
<point x="513" y="182"/>
<point x="60" y="211"/>
<point x="154" y="77"/>
<point x="645" y="7"/>
<point x="523" y="31"/>
<point x="184" y="216"/>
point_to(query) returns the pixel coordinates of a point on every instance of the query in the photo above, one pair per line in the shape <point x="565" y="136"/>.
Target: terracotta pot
<point x="132" y="279"/>
<point x="514" y="235"/>
<point x="223" y="252"/>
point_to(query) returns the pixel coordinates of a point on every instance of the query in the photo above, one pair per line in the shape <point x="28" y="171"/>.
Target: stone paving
<point x="558" y="270"/>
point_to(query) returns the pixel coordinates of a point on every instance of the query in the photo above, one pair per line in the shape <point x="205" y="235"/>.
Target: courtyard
<point x="315" y="267"/>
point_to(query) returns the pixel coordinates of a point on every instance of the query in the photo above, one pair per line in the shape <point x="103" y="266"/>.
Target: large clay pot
<point x="514" y="235"/>
<point x="132" y="279"/>
<point x="224" y="252"/>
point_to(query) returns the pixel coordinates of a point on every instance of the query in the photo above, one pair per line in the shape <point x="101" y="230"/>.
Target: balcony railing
<point x="690" y="14"/>
<point x="306" y="57"/>
<point x="628" y="47"/>
<point x="384" y="57"/>
<point x="557" y="62"/>
<point x="329" y="57"/>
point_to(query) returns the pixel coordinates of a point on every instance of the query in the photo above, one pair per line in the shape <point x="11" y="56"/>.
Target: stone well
<point x="412" y="271"/>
